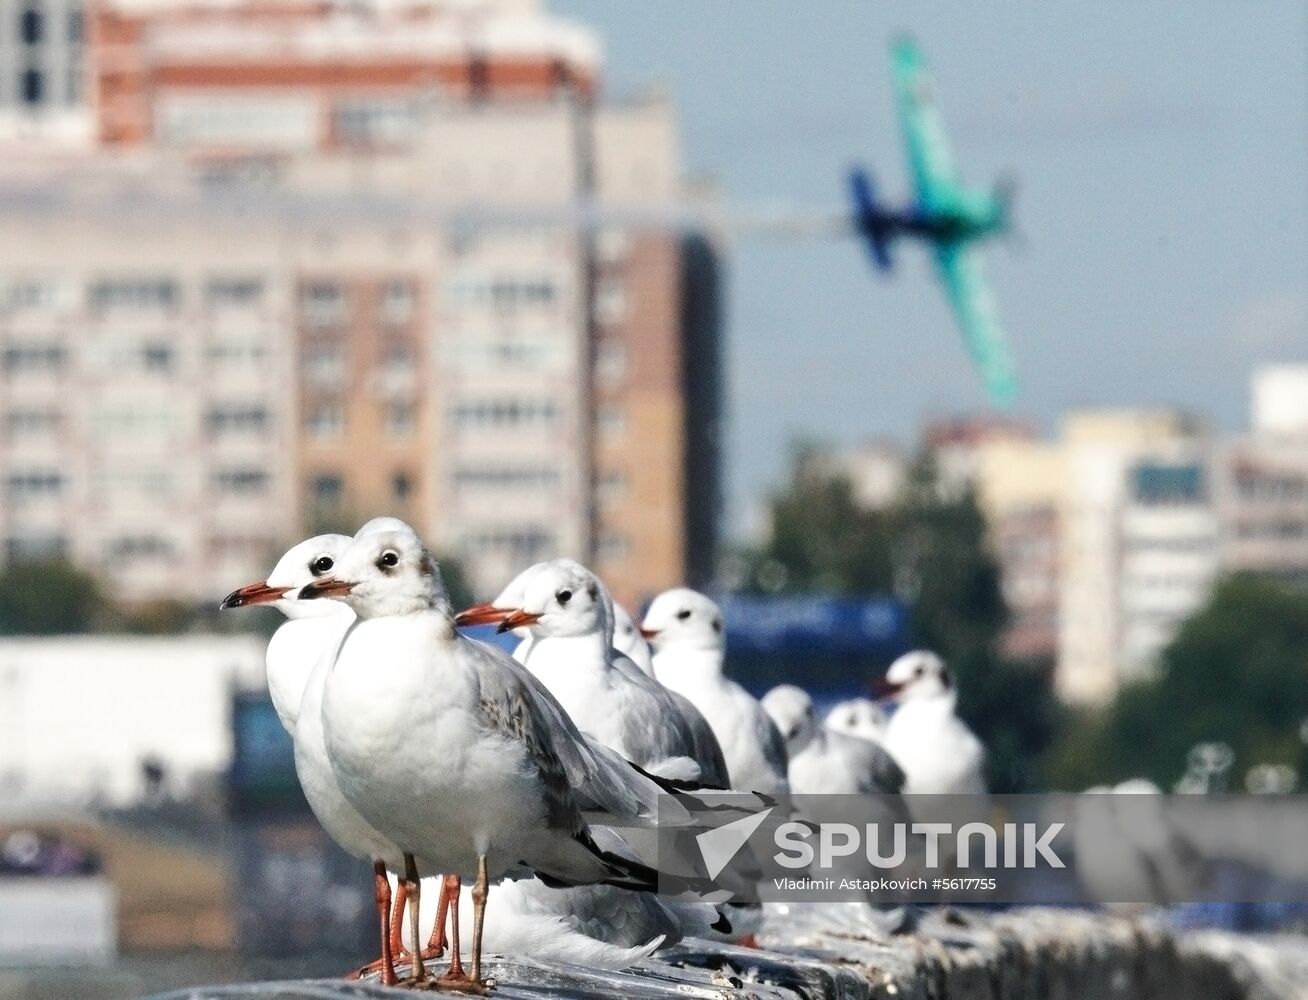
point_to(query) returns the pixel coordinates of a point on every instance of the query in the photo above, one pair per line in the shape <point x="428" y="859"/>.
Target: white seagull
<point x="569" y="614"/>
<point x="940" y="755"/>
<point x="298" y="656"/>
<point x="458" y="754"/>
<point x="823" y="762"/>
<point x="627" y="639"/>
<point x="861" y="717"/>
<point x="685" y="630"/>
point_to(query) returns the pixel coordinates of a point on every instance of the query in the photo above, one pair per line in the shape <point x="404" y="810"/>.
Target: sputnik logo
<point x="721" y="844"/>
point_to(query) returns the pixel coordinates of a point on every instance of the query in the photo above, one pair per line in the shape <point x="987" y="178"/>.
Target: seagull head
<point x="304" y="563"/>
<point x="626" y="633"/>
<point x="555" y="599"/>
<point x="383" y="573"/>
<point x="919" y="674"/>
<point x="859" y="717"/>
<point x="792" y="710"/>
<point x="684" y="619"/>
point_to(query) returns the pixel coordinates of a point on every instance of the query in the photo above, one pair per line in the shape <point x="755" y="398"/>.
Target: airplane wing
<point x="935" y="178"/>
<point x="974" y="307"/>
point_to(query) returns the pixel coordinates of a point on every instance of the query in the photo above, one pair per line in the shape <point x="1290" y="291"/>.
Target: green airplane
<point x="945" y="214"/>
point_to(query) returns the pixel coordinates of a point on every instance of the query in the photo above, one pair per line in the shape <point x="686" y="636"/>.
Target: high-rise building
<point x="218" y="343"/>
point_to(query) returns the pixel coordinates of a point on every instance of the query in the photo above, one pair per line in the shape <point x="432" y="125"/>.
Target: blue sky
<point x="1161" y="156"/>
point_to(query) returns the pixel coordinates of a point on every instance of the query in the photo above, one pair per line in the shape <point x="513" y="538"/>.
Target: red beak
<point x="518" y="619"/>
<point x="254" y="593"/>
<point x="648" y="633"/>
<point x="883" y="689"/>
<point x="482" y="614"/>
<point x="327" y="586"/>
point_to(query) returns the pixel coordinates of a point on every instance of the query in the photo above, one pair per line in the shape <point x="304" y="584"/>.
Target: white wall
<point x="77" y="714"/>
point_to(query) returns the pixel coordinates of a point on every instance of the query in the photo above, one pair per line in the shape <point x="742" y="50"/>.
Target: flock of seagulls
<point x="441" y="760"/>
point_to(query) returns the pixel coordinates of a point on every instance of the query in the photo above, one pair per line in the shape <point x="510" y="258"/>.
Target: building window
<point x="157" y="358"/>
<point x="326" y="421"/>
<point x="399" y="421"/>
<point x="31" y="25"/>
<point x="611" y="486"/>
<point x="610" y="302"/>
<point x="32" y="423"/>
<point x="506" y="477"/>
<point x="233" y="293"/>
<point x="399" y="356"/>
<point x="611" y="362"/>
<point x="222" y="420"/>
<point x="33" y="547"/>
<point x="139" y="547"/>
<point x="31" y="86"/>
<point x="34" y="358"/>
<point x="515" y="413"/>
<point x="397" y="299"/>
<point x="520" y="545"/>
<point x="322" y="303"/>
<point x="136" y="293"/>
<point x="241" y="482"/>
<point x="34" y="484"/>
<point x="324" y="365"/>
<point x="610" y="421"/>
<point x="75" y="25"/>
<point x="327" y="491"/>
<point x="612" y="547"/>
<point x="401" y="487"/>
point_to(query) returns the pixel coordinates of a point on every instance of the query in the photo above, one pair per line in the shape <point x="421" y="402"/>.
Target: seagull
<point x="627" y="639"/>
<point x="298" y="656"/>
<point x="826" y="762"/>
<point x="861" y="717"/>
<point x="570" y="617"/>
<point x="823" y="762"/>
<point x="457" y="753"/>
<point x="685" y="629"/>
<point x="940" y="755"/>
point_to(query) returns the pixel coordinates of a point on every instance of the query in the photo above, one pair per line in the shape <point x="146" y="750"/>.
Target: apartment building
<point x="218" y="345"/>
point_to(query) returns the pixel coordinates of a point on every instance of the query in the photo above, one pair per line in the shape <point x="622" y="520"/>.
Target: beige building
<point x="210" y="348"/>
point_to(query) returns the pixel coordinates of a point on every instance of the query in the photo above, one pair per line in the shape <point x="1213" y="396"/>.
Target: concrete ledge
<point x="840" y="952"/>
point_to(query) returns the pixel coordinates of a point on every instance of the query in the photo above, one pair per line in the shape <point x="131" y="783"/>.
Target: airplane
<point x="947" y="216"/>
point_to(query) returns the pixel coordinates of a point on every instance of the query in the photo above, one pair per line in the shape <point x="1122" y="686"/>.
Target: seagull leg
<point x="397" y="918"/>
<point x="415" y="893"/>
<point x="397" y="950"/>
<point x="455" y="978"/>
<point x="451" y="889"/>
<point x="436" y="943"/>
<point x="382" y="891"/>
<point x="479" y="892"/>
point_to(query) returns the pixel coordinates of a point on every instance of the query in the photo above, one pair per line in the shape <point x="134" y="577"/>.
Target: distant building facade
<point x="247" y="343"/>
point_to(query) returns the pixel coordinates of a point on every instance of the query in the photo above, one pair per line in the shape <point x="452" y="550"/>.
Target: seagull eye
<point x="389" y="559"/>
<point x="918" y="672"/>
<point x="683" y="614"/>
<point x="321" y="565"/>
<point x="563" y="596"/>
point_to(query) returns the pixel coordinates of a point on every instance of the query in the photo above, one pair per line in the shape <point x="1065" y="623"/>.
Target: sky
<point x="1160" y="153"/>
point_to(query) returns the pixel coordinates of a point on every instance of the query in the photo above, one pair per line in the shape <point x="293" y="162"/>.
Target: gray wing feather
<point x="574" y="768"/>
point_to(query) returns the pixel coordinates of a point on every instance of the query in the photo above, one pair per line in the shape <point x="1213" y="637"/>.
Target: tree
<point x="929" y="549"/>
<point x="49" y="597"/>
<point x="1236" y="672"/>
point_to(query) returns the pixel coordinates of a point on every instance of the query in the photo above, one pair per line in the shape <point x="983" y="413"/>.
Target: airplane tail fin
<point x="868" y="218"/>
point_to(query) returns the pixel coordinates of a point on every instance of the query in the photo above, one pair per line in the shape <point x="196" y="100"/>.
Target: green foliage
<point x="929" y="549"/>
<point x="1236" y="672"/>
<point x="49" y="597"/>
